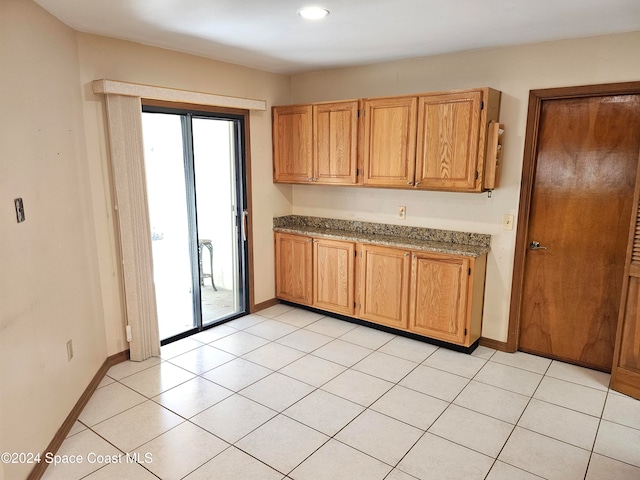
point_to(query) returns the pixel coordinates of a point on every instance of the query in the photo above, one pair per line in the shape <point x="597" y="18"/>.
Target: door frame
<point x="529" y="164"/>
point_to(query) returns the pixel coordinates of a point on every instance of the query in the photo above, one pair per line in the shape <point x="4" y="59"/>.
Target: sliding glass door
<point x="196" y="192"/>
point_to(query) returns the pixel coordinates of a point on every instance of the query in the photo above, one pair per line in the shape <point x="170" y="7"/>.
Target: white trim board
<point x="113" y="87"/>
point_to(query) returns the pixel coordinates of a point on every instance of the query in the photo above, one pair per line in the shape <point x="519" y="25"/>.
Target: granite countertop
<point x="414" y="238"/>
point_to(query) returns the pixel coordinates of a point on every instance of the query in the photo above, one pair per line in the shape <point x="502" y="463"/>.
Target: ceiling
<point x="271" y="36"/>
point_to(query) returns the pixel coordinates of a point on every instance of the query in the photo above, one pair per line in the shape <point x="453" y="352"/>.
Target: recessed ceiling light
<point x="313" y="13"/>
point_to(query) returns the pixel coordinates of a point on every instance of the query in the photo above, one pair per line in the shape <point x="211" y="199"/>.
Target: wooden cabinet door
<point x="389" y="149"/>
<point x="335" y="137"/>
<point x="294" y="272"/>
<point x="439" y="294"/>
<point x="384" y="285"/>
<point x="448" y="141"/>
<point x="293" y="144"/>
<point x="333" y="275"/>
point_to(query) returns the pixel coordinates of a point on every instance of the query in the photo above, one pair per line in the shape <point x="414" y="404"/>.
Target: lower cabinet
<point x="383" y="279"/>
<point x="432" y="294"/>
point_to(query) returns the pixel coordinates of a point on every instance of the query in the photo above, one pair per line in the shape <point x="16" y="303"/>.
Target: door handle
<point x="245" y="224"/>
<point x="536" y="246"/>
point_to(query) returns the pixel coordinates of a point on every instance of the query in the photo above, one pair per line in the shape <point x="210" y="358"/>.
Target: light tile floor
<point x="290" y="394"/>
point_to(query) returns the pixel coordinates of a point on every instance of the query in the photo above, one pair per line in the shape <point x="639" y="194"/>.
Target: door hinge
<point x="477" y="174"/>
<point x="482" y="105"/>
<point x="465" y="332"/>
<point x="357" y="172"/>
<point x="354" y="304"/>
<point x="358" y="113"/>
<point x="469" y="272"/>
<point x="355" y="253"/>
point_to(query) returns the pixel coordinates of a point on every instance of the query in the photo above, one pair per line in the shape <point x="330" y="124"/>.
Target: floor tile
<point x="408" y="349"/>
<point x="344" y="353"/>
<point x="107" y="380"/>
<point x="158" y="379"/>
<point x="125" y="369"/>
<point x="276" y="310"/>
<point x="367" y="337"/>
<point x="201" y="359"/>
<point x="313" y="370"/>
<point x="234" y="464"/>
<point x="137" y="425"/>
<point x="109" y="401"/>
<point x="504" y="471"/>
<point x="181" y="450"/>
<point x="77" y="428"/>
<point x="282" y="443"/>
<point x="580" y="375"/>
<point x="380" y="436"/>
<point x="560" y="423"/>
<point x="358" y="387"/>
<point x="122" y="471"/>
<point x="178" y="348"/>
<point x="434" y="458"/>
<point x="571" y="395"/>
<point x="246" y="321"/>
<point x="271" y="329"/>
<point x="336" y="461"/>
<point x="299" y="317"/>
<point x="544" y="456"/>
<point x="604" y="468"/>
<point x="618" y="442"/>
<point x="82" y="444"/>
<point x="439" y="384"/>
<point x="385" y="366"/>
<point x="473" y="430"/>
<point x="324" y="411"/>
<point x="277" y="391"/>
<point x="214" y="333"/>
<point x="399" y="475"/>
<point x="192" y="397"/>
<point x="483" y="352"/>
<point x="509" y="378"/>
<point x="239" y="343"/>
<point x="523" y="360"/>
<point x="623" y="410"/>
<point x="455" y="362"/>
<point x="305" y="340"/>
<point x="233" y="418"/>
<point x="411" y="407"/>
<point x="331" y="327"/>
<point x="274" y="356"/>
<point x="493" y="401"/>
<point x="237" y="374"/>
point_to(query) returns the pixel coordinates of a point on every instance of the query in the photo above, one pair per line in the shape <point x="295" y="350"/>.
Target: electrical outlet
<point x="402" y="213"/>
<point x="69" y="350"/>
<point x="507" y="222"/>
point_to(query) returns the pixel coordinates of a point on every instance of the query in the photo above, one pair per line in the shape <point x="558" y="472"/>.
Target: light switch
<point x="19" y="209"/>
<point x="507" y="222"/>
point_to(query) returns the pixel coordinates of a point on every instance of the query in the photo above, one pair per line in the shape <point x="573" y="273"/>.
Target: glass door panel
<point x="214" y="158"/>
<point x="169" y="219"/>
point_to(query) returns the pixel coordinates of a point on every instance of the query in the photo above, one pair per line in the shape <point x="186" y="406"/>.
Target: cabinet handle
<point x="409" y="183"/>
<point x="315" y="179"/>
<point x="418" y="183"/>
<point x="406" y="254"/>
<point x="309" y="179"/>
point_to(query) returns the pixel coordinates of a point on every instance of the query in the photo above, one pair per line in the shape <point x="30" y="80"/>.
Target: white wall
<point x="49" y="278"/>
<point x="102" y="57"/>
<point x="514" y="71"/>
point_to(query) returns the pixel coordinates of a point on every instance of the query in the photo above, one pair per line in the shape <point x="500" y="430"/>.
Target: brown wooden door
<point x="335" y="133"/>
<point x="384" y="285"/>
<point x="439" y="296"/>
<point x="334" y="275"/>
<point x="390" y="141"/>
<point x="293" y="144"/>
<point x="581" y="202"/>
<point x="294" y="272"/>
<point x="448" y="134"/>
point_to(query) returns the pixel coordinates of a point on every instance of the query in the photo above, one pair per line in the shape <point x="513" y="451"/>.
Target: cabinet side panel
<point x="630" y="342"/>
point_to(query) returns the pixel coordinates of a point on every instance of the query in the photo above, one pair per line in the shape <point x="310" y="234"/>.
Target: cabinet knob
<point x="309" y="179"/>
<point x="418" y="183"/>
<point x="409" y="183"/>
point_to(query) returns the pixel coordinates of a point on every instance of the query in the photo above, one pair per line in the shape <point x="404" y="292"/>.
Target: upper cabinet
<point x="389" y="138"/>
<point x="316" y="143"/>
<point x="431" y="141"/>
